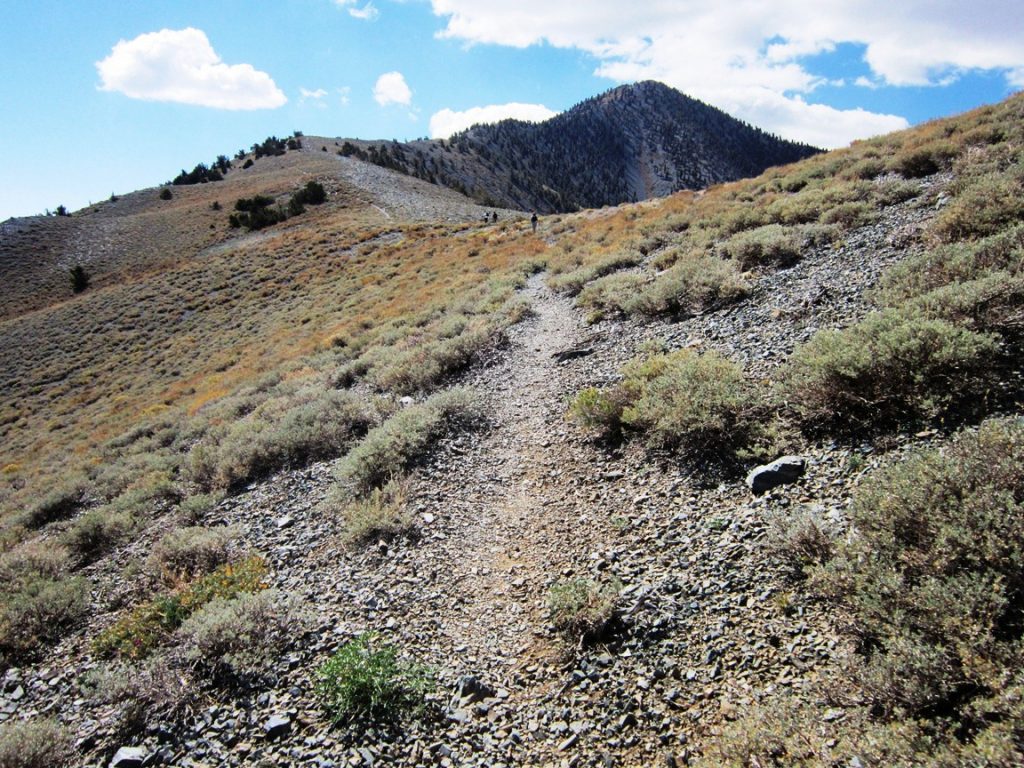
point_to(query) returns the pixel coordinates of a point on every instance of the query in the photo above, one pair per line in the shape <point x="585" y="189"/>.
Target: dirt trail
<point x="511" y="543"/>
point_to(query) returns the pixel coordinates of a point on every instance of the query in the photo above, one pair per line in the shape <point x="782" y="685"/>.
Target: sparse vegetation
<point x="581" y="608"/>
<point x="39" y="743"/>
<point x="135" y="635"/>
<point x="366" y="679"/>
<point x="381" y="513"/>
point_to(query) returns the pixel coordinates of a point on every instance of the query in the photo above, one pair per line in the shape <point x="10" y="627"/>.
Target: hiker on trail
<point x="494" y="217"/>
<point x="533" y="221"/>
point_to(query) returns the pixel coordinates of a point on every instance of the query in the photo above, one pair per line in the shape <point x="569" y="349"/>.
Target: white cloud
<point x="446" y="122"/>
<point x="391" y="88"/>
<point x="746" y="54"/>
<point x="181" y="66"/>
<point x="368" y="12"/>
<point x="344" y="95"/>
<point x="316" y="98"/>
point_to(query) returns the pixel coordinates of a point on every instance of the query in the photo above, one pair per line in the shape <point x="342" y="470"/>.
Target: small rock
<point x="128" y="757"/>
<point x="276" y="727"/>
<point x="284" y="522"/>
<point x="788" y="469"/>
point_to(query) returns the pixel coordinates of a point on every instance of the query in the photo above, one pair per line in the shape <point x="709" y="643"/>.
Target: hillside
<point x="500" y="475"/>
<point x="632" y="143"/>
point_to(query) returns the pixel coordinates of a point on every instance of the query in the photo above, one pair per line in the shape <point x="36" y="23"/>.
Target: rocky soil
<point x="708" y="621"/>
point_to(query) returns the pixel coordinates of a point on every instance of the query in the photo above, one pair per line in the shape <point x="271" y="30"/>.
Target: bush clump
<point x="37" y="609"/>
<point x="282" y="432"/>
<point x="681" y="401"/>
<point x="772" y="244"/>
<point x="934" y="583"/>
<point x="184" y="553"/>
<point x="697" y="282"/>
<point x="366" y="679"/>
<point x="40" y="743"/>
<point x="392" y="448"/>
<point x="233" y="638"/>
<point x="136" y="635"/>
<point x="891" y="367"/>
<point x="380" y="514"/>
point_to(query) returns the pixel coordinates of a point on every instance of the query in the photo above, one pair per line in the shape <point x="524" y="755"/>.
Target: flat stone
<point x="788" y="469"/>
<point x="277" y="726"/>
<point x="128" y="757"/>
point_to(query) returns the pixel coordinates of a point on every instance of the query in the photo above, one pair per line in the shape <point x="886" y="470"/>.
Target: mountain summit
<point x="631" y="143"/>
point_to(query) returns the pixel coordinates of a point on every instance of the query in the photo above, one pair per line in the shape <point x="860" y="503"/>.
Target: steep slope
<point x="368" y="415"/>
<point x="141" y="233"/>
<point x="629" y="144"/>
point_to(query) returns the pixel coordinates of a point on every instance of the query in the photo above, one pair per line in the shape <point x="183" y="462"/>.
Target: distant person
<point x="533" y="221"/>
<point x="494" y="217"/>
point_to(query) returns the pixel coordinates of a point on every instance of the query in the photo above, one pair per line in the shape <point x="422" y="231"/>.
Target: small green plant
<point x="166" y="194"/>
<point x="40" y="743"/>
<point x="366" y="679"/>
<point x="581" y="608"/>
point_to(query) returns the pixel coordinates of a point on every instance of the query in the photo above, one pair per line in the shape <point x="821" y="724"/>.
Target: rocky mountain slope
<point x="632" y="143"/>
<point x="471" y="446"/>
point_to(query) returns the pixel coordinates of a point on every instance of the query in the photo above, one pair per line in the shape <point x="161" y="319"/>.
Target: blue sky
<point x="114" y="95"/>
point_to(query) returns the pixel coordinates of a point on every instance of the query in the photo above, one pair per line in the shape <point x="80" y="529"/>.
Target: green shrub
<point x="572" y="283"/>
<point x="284" y="432"/>
<point x="694" y="284"/>
<point x="58" y="504"/>
<point x="917" y="162"/>
<point x="40" y="609"/>
<point x="236" y="637"/>
<point x="30" y="559"/>
<point x="953" y="263"/>
<point x="850" y="215"/>
<point x="136" y="635"/>
<point x="890" y="367"/>
<point x="581" y="608"/>
<point x="184" y="553"/>
<point x="984" y="208"/>
<point x="682" y="401"/>
<point x="97" y="531"/>
<point x="771" y="244"/>
<point x="934" y="583"/>
<point x="40" y="743"/>
<point x="600" y="410"/>
<point x="80" y="278"/>
<point x="392" y="448"/>
<point x="427" y="363"/>
<point x="381" y="513"/>
<point x="366" y="679"/>
<point x="609" y="294"/>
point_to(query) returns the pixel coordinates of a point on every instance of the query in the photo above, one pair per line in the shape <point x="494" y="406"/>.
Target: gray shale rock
<point x="128" y="757"/>
<point x="788" y="469"/>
